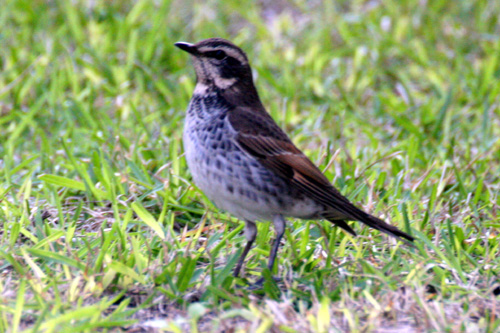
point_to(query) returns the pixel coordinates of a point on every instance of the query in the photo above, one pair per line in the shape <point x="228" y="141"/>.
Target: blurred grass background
<point x="101" y="229"/>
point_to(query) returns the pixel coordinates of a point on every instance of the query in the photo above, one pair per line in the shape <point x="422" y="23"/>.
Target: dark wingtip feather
<point x="341" y="223"/>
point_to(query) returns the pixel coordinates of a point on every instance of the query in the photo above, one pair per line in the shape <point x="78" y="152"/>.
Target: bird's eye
<point x="219" y="55"/>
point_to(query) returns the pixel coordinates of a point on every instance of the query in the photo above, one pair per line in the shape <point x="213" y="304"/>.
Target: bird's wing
<point x="262" y="138"/>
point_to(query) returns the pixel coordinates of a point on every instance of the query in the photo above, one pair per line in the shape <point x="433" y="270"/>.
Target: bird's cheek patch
<point x="224" y="83"/>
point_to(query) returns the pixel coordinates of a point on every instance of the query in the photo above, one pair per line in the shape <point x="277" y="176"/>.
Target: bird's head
<point x="219" y="63"/>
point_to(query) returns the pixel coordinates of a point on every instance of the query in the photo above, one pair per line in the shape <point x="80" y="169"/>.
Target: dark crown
<point x="218" y="48"/>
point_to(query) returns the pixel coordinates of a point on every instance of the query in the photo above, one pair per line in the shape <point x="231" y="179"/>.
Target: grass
<point x="101" y="228"/>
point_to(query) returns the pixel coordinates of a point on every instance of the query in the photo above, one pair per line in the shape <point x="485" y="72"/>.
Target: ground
<point x="102" y="229"/>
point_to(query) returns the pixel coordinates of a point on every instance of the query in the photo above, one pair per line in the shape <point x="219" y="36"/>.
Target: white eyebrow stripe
<point x="229" y="51"/>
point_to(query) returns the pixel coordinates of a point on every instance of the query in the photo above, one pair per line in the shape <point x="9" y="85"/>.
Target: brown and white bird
<point x="244" y="162"/>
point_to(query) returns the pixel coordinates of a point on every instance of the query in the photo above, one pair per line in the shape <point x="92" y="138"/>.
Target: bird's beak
<point x="189" y="48"/>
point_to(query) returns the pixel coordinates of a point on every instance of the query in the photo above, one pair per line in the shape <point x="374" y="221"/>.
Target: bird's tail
<point x="384" y="227"/>
<point x="371" y="221"/>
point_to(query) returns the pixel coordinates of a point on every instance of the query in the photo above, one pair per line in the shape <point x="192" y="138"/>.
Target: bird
<point x="245" y="163"/>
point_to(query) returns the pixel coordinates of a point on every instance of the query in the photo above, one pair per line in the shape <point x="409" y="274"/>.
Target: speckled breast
<point x="233" y="180"/>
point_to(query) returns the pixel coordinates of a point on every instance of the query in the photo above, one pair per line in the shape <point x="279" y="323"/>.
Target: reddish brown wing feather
<point x="288" y="162"/>
<point x="261" y="137"/>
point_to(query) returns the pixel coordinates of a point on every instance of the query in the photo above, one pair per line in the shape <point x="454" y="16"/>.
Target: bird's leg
<point x="250" y="234"/>
<point x="279" y="225"/>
